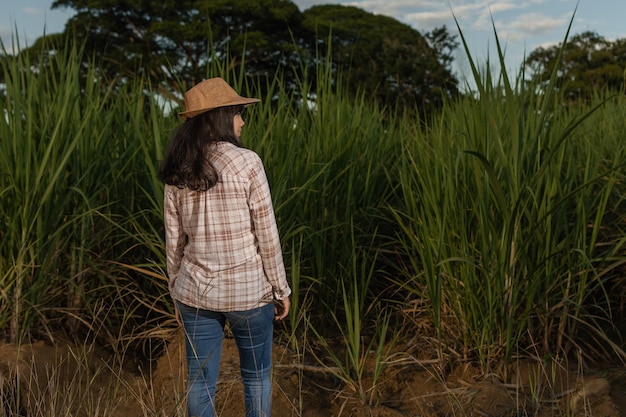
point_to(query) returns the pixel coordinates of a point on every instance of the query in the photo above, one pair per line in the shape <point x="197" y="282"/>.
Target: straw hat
<point x="211" y="94"/>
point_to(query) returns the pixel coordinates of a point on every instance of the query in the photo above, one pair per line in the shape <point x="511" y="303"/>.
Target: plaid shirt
<point x="223" y="248"/>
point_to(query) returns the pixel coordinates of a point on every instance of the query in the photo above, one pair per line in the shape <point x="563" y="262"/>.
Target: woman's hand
<point x="281" y="311"/>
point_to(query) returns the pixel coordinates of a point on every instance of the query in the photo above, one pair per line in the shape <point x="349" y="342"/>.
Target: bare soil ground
<point x="77" y="381"/>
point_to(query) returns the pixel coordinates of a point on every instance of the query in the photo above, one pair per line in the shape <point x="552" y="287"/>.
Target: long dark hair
<point x="187" y="162"/>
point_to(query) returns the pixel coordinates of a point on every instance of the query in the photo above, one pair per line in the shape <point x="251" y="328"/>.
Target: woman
<point x="224" y="259"/>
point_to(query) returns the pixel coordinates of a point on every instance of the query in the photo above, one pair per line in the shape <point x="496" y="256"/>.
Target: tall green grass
<point x="72" y="163"/>
<point x="329" y="169"/>
<point x="511" y="221"/>
<point x="501" y="217"/>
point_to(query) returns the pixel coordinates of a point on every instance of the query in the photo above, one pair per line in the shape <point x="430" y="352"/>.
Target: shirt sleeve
<point x="266" y="230"/>
<point x="174" y="236"/>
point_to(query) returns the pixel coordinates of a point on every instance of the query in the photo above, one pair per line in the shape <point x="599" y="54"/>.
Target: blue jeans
<point x="204" y="332"/>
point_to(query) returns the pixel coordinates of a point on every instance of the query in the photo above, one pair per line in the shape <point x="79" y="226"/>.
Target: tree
<point x="444" y="44"/>
<point x="382" y="57"/>
<point x="173" y="44"/>
<point x="172" y="41"/>
<point x="589" y="63"/>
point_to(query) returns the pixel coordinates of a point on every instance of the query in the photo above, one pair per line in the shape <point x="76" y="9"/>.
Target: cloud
<point x="427" y="20"/>
<point x="31" y="10"/>
<point x="533" y="24"/>
<point x="501" y="6"/>
<point x="425" y="14"/>
<point x="395" y="7"/>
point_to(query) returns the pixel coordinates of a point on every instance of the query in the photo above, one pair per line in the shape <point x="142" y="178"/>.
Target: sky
<point x="521" y="25"/>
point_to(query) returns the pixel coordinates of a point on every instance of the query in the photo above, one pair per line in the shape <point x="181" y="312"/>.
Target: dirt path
<point x="63" y="377"/>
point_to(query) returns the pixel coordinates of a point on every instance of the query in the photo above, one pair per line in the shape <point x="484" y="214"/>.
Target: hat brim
<point x="235" y="102"/>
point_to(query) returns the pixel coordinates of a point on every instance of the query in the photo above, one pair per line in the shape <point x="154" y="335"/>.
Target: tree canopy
<point x="173" y="43"/>
<point x="590" y="63"/>
<point x="383" y="57"/>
